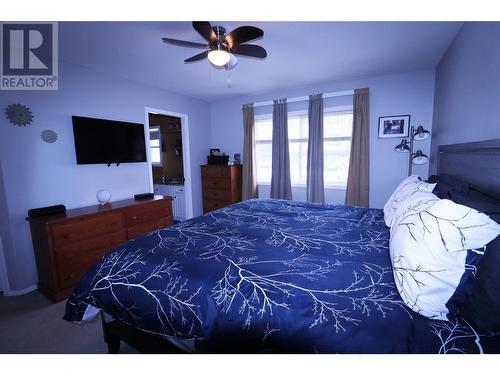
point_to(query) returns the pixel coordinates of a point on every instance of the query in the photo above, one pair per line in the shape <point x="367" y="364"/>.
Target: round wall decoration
<point x="19" y="114"/>
<point x="48" y="136"/>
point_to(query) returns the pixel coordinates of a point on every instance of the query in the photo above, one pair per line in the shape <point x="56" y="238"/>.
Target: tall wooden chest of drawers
<point x="68" y="245"/>
<point x="221" y="186"/>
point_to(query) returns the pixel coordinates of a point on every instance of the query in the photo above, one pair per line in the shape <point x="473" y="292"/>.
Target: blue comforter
<point x="270" y="276"/>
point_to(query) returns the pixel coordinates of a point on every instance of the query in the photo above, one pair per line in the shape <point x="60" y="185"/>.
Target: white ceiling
<point x="299" y="53"/>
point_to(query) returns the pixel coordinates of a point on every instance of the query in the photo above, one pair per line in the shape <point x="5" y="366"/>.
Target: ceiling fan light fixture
<point x="219" y="57"/>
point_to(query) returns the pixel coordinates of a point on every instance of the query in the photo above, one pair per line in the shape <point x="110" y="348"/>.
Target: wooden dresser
<point x="221" y="186"/>
<point x="68" y="245"/>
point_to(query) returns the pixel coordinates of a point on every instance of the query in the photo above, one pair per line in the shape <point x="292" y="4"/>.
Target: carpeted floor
<point x="33" y="324"/>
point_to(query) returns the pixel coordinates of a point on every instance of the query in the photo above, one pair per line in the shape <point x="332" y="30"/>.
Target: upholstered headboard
<point x="475" y="162"/>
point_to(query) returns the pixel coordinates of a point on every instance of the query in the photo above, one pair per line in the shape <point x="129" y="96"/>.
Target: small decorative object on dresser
<point x="143" y="196"/>
<point x="217" y="159"/>
<point x="103" y="197"/>
<point x="215" y="152"/>
<point x="221" y="186"/>
<point x="68" y="244"/>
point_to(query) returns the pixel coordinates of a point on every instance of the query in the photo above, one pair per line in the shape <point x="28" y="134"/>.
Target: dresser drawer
<point x="216" y="183"/>
<point x="146" y="213"/>
<point x="149" y="226"/>
<point x="88" y="251"/>
<point x="70" y="276"/>
<point x="211" y="171"/>
<point x="69" y="233"/>
<point x="209" y="194"/>
<point x="216" y="171"/>
<point x="211" y="205"/>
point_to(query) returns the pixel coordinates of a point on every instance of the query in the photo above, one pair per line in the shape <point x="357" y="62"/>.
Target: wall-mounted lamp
<point x="417" y="158"/>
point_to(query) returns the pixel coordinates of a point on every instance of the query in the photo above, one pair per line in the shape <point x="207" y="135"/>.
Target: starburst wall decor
<point x="48" y="136"/>
<point x="19" y="114"/>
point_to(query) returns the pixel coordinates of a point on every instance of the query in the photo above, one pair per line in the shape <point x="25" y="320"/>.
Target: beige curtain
<point x="281" y="186"/>
<point x="249" y="187"/>
<point x="358" y="179"/>
<point x="315" y="189"/>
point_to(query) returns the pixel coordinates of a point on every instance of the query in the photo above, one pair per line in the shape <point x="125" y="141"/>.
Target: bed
<point x="263" y="276"/>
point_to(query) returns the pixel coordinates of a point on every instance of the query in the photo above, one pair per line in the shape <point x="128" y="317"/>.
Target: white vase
<point x="103" y="197"/>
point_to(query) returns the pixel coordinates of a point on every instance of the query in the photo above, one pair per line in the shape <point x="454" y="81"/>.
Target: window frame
<point x="267" y="116"/>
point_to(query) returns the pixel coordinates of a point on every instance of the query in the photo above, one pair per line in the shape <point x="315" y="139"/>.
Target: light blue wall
<point x="38" y="174"/>
<point x="467" y="94"/>
<point x="399" y="94"/>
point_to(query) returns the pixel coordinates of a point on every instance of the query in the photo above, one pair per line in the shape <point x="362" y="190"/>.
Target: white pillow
<point x="405" y="189"/>
<point x="428" y="246"/>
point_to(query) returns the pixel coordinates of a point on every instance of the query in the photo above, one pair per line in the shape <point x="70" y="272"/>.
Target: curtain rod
<point x="304" y="98"/>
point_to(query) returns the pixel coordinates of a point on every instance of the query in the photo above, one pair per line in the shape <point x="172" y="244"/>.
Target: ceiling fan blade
<point x="184" y="43"/>
<point x="251" y="50"/>
<point x="243" y="34"/>
<point x="205" y="30"/>
<point x="197" y="57"/>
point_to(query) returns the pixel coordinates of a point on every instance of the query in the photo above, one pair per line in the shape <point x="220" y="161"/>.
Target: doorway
<point x="168" y="159"/>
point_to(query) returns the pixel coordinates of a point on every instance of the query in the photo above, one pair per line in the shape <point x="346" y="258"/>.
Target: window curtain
<point x="358" y="178"/>
<point x="249" y="188"/>
<point x="315" y="185"/>
<point x="281" y="186"/>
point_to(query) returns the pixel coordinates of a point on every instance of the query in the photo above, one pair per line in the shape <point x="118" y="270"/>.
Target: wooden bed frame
<point x="115" y="331"/>
<point x="475" y="162"/>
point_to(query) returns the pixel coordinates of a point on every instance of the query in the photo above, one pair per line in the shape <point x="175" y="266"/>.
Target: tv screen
<point x="99" y="141"/>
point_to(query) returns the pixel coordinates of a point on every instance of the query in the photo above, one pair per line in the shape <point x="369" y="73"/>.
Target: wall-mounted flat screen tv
<point x="99" y="141"/>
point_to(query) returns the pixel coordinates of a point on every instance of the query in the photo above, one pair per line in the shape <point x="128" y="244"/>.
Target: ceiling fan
<point x="222" y="47"/>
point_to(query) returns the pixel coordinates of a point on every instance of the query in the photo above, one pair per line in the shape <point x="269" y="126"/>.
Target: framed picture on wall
<point x="394" y="126"/>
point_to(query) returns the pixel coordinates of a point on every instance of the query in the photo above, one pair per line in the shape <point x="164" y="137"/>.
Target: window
<point x="154" y="146"/>
<point x="263" y="148"/>
<point x="337" y="132"/>
<point x="298" y="133"/>
<point x="337" y="145"/>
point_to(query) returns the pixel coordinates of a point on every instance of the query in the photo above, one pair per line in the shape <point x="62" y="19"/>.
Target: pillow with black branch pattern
<point x="435" y="246"/>
<point x="405" y="190"/>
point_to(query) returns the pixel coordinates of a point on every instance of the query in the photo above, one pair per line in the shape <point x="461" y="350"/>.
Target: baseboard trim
<point x="13" y="293"/>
